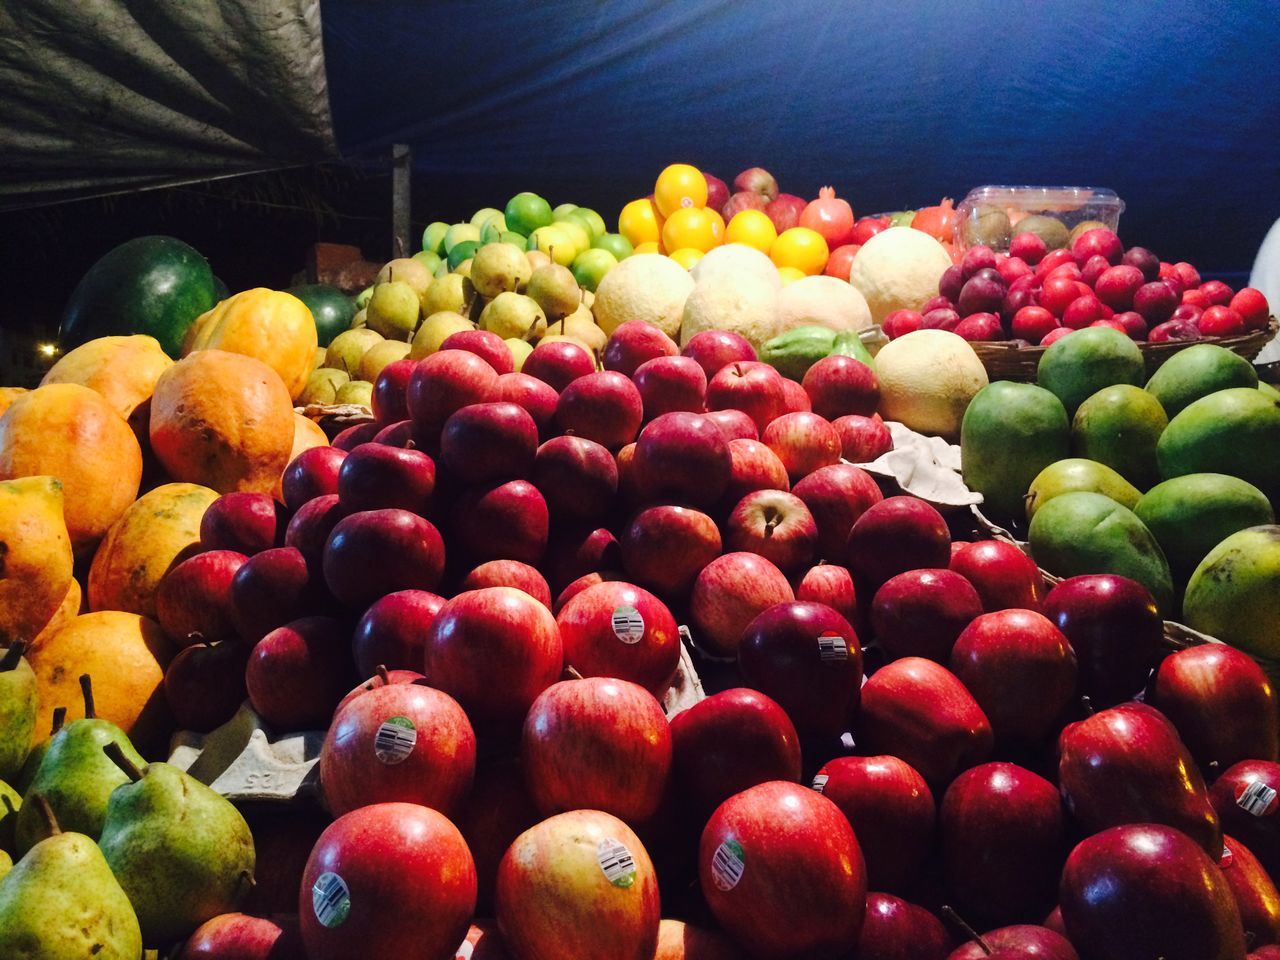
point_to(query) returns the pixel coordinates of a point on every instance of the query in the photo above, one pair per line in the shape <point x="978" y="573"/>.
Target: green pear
<point x="514" y="315"/>
<point x="75" y="777"/>
<point x="28" y="773"/>
<point x="498" y="268"/>
<point x="182" y="853"/>
<point x="17" y="709"/>
<point x="394" y="310"/>
<point x="61" y="902"/>
<point x="10" y="803"/>
<point x="555" y="290"/>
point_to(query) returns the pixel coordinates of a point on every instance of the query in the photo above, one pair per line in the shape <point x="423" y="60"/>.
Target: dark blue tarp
<point x="1175" y="105"/>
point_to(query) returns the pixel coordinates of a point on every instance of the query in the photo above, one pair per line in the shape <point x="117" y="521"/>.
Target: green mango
<point x="793" y="352"/>
<point x="1120" y="426"/>
<point x="75" y="777"/>
<point x="61" y="902"/>
<point x="1196" y="372"/>
<point x="1075" y="474"/>
<point x="182" y="853"/>
<point x="1191" y="515"/>
<point x="1234" y="594"/>
<point x="1010" y="433"/>
<point x="1079" y="533"/>
<point x="17" y="710"/>
<point x="1084" y="361"/>
<point x="1269" y="391"/>
<point x="1235" y="431"/>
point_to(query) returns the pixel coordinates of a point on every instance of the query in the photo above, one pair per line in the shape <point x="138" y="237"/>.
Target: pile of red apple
<point x="1035" y="295"/>
<point x="906" y="729"/>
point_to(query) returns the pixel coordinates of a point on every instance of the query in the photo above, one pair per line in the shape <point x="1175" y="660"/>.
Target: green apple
<point x="579" y="234"/>
<point x="393" y="310"/>
<point x="462" y="252"/>
<point x="428" y="258"/>
<point x="526" y="212"/>
<point x="362" y="298"/>
<point x="615" y="243"/>
<point x="459" y="233"/>
<point x="490" y="233"/>
<point x="515" y="239"/>
<point x="556" y="243"/>
<point x="595" y="222"/>
<point x="484" y="215"/>
<point x="561" y="211"/>
<point x="433" y="237"/>
<point x="590" y="266"/>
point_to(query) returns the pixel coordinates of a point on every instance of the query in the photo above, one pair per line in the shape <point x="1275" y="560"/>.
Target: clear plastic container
<point x="990" y="215"/>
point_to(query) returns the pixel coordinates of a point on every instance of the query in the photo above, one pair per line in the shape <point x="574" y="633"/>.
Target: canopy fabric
<point x="1175" y="106"/>
<point x="105" y="95"/>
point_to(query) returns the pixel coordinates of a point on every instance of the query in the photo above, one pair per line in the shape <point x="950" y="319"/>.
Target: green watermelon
<point x="333" y="310"/>
<point x="151" y="285"/>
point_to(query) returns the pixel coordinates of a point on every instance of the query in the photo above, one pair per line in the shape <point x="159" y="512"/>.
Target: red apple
<point x="509" y="573"/>
<point x="377" y="477"/>
<point x="920" y="613"/>
<point x="862" y="439"/>
<point x="1002" y="842"/>
<point x="753" y="466"/>
<point x="1098" y="242"/>
<point x="376" y="552"/>
<point x="398" y="434"/>
<point x="538" y="398"/>
<point x="750" y="386"/>
<point x="615" y="629"/>
<point x="1019" y="941"/>
<point x="390" y="401"/>
<point x="1265" y="953"/>
<point x="894" y="536"/>
<point x="1115" y="630"/>
<point x="781" y="871"/>
<point x="445" y="382"/>
<point x="558" y="363"/>
<point x="831" y="584"/>
<point x="840" y="260"/>
<point x="734" y="424"/>
<point x="1032" y="323"/>
<point x="804" y="442"/>
<point x="1146" y="890"/>
<point x="297" y="673"/>
<point x="668" y="384"/>
<point x="1251" y="304"/>
<point x="352" y="437"/>
<point x="776" y="525"/>
<point x="1245" y="799"/>
<point x="920" y="711"/>
<point x="897" y="930"/>
<point x="890" y="807"/>
<point x="247" y="523"/>
<point x="604" y="407"/>
<point x="717" y="191"/>
<point x="1127" y="765"/>
<point x="311" y="474"/>
<point x="678" y="940"/>
<point x="1254" y="891"/>
<point x="742" y="200"/>
<point x="574" y="552"/>
<point x="794" y="399"/>
<point x="837" y="496"/>
<point x="864" y="228"/>
<point x="483" y="630"/>
<point x="728" y="594"/>
<point x="839" y="386"/>
<point x="784" y="210"/>
<point x="204" y="684"/>
<point x="577" y="477"/>
<point x="577" y="885"/>
<point x="1219" y="321"/>
<point x="487" y="442"/>
<point x="483" y="343"/>
<point x="403" y="742"/>
<point x="577" y="586"/>
<point x="1221" y="703"/>
<point x="193" y="601"/>
<point x="682" y="456"/>
<point x="381" y="677"/>
<point x="807" y="658"/>
<point x="497" y="811"/>
<point x="506" y="521"/>
<point x="665" y="547"/>
<point x="901" y="322"/>
<point x="1002" y="574"/>
<point x="1175" y="330"/>
<point x="716" y="349"/>
<point x="728" y="742"/>
<point x="634" y="342"/>
<point x="270" y="589"/>
<point x="309" y="530"/>
<point x="390" y="631"/>
<point x="387" y="880"/>
<point x="1117" y="285"/>
<point x="237" y="936"/>
<point x="756" y="180"/>
<point x="1020" y="669"/>
<point x="597" y="744"/>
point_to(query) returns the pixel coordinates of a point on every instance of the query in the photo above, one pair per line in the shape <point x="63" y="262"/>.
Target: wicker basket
<point x="1008" y="361"/>
<point x="333" y="418"/>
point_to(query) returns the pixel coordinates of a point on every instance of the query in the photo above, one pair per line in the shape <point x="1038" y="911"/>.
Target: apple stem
<point x="12" y="656"/>
<point x="86" y="690"/>
<point x="59" y="718"/>
<point x="967" y="930"/>
<point x="116" y="753"/>
<point x="771" y="524"/>
<point x="572" y="671"/>
<point x="381" y="671"/>
<point x="1087" y="705"/>
<point x="195" y="636"/>
<point x="46" y="814"/>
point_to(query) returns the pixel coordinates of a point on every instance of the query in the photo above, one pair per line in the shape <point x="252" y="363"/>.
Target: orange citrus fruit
<point x="686" y="257"/>
<point x="680" y="186"/>
<point x="649" y="246"/>
<point x="802" y="248"/>
<point x="752" y="228"/>
<point x="638" y="222"/>
<point x="694" y="227"/>
<point x="790" y="275"/>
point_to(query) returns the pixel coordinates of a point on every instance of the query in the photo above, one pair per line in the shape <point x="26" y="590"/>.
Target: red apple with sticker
<point x="1246" y="798"/>
<point x="1254" y="891"/>
<point x="617" y="629"/>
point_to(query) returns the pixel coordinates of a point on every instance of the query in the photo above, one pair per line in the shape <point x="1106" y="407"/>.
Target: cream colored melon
<point x="742" y="303"/>
<point x="735" y="258"/>
<point x="927" y="379"/>
<point x="822" y="301"/>
<point x="647" y="287"/>
<point x="898" y="269"/>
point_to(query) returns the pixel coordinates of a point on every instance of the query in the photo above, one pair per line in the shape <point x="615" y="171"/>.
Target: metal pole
<point x="401" y="167"/>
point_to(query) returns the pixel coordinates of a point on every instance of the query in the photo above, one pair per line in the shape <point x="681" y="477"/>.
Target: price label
<point x="331" y="900"/>
<point x="1227" y="858"/>
<point x="616" y="862"/>
<point x="728" y="865"/>
<point x="832" y="648"/>
<point x="395" y="740"/>
<point x="1257" y="799"/>
<point x="628" y="625"/>
<point x="820" y="782"/>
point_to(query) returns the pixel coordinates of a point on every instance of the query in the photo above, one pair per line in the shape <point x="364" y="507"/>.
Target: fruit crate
<point x="1006" y="360"/>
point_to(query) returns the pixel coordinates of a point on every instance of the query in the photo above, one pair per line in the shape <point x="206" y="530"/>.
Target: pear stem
<point x="46" y="814"/>
<point x="12" y="656"/>
<point x="86" y="689"/>
<point x="117" y="755"/>
<point x="59" y="718"/>
<point x="381" y="671"/>
<point x="572" y="671"/>
<point x="967" y="930"/>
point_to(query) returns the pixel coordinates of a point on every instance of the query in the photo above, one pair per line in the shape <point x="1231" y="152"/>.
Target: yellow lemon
<point x="752" y="228"/>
